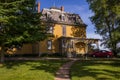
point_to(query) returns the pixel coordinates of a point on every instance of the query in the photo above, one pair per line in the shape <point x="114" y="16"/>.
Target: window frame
<point x="62" y="17"/>
<point x="49" y="44"/>
<point x="64" y="30"/>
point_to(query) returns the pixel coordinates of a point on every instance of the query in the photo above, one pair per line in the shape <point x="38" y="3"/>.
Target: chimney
<point x="62" y="8"/>
<point x="38" y="7"/>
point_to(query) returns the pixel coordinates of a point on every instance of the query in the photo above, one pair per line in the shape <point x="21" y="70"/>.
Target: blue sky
<point x="80" y="7"/>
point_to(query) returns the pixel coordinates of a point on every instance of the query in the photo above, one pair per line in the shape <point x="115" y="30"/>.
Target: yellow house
<point x="69" y="34"/>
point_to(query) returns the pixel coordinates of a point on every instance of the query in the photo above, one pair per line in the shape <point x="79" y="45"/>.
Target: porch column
<point x="69" y="49"/>
<point x="97" y="44"/>
<point x="86" y="48"/>
<point x="63" y="45"/>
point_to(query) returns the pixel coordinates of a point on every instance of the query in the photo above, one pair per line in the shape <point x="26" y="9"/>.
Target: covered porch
<point x="71" y="46"/>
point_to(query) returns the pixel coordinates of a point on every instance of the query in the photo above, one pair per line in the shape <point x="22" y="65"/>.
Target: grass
<point x="96" y="70"/>
<point x="30" y="70"/>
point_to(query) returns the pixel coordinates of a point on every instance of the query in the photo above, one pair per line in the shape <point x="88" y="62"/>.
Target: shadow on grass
<point x="11" y="64"/>
<point x="96" y="70"/>
<point x="50" y="66"/>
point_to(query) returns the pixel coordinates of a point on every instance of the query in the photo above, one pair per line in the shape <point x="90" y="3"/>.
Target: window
<point x="48" y="14"/>
<point x="63" y="43"/>
<point x="50" y="29"/>
<point x="64" y="30"/>
<point x="49" y="44"/>
<point x="62" y="17"/>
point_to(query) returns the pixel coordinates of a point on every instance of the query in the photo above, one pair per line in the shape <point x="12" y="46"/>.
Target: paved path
<point x="64" y="72"/>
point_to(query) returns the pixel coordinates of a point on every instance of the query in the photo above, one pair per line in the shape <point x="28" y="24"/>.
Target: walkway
<point x="64" y="72"/>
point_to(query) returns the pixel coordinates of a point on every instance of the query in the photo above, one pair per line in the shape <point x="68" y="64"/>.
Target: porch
<point x="71" y="46"/>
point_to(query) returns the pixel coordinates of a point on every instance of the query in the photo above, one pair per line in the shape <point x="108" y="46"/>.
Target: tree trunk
<point x="112" y="44"/>
<point x="114" y="50"/>
<point x="39" y="51"/>
<point x="2" y="56"/>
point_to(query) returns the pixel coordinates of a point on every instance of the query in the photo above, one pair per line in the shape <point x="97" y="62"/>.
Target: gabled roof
<point x="55" y="15"/>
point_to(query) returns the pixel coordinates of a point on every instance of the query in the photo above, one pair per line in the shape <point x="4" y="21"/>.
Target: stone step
<point x="65" y="68"/>
<point x="65" y="72"/>
<point x="62" y="76"/>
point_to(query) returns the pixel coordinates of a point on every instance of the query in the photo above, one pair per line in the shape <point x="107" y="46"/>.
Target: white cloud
<point x="93" y="35"/>
<point x="97" y="36"/>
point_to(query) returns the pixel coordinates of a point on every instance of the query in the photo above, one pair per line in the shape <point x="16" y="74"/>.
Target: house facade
<point x="69" y="33"/>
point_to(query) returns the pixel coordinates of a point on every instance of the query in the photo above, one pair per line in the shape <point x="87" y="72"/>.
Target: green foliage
<point x="20" y="23"/>
<point x="106" y="19"/>
<point x="97" y="69"/>
<point x="30" y="70"/>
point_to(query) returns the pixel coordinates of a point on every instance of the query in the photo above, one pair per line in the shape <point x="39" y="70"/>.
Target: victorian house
<point x="69" y="33"/>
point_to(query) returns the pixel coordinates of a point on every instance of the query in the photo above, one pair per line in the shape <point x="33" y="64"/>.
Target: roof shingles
<point x="55" y="15"/>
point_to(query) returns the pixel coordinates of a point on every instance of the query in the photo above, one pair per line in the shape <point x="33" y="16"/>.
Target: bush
<point x="21" y="55"/>
<point x="52" y="55"/>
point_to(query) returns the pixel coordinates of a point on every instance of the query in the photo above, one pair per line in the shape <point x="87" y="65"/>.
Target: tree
<point x="106" y="19"/>
<point x="19" y="23"/>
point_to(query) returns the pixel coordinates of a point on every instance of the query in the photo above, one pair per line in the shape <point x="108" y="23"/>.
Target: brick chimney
<point x="62" y="8"/>
<point x="38" y="7"/>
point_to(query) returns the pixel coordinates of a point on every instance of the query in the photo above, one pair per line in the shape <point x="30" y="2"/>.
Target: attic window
<point x="62" y="17"/>
<point x="48" y="14"/>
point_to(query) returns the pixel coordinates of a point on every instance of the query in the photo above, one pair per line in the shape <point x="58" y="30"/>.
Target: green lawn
<point x="96" y="70"/>
<point x="30" y="70"/>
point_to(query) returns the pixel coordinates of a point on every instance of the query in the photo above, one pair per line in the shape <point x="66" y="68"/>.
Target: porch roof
<point x="86" y="40"/>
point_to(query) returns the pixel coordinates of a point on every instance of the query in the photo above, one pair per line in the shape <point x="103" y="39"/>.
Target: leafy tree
<point x="106" y="19"/>
<point x="19" y="23"/>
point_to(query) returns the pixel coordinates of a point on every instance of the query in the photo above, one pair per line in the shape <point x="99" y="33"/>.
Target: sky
<point x="80" y="7"/>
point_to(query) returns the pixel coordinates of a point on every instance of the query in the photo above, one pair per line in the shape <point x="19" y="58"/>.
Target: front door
<point x="80" y="48"/>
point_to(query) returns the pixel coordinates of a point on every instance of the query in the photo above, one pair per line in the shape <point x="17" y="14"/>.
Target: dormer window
<point x="48" y="14"/>
<point x="50" y="29"/>
<point x="62" y="17"/>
